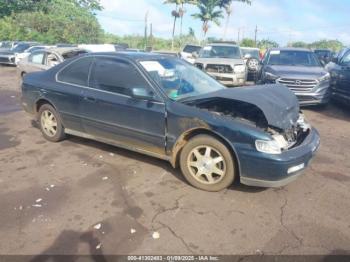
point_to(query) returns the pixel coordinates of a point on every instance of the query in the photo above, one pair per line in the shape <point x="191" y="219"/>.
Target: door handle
<point x="90" y="99"/>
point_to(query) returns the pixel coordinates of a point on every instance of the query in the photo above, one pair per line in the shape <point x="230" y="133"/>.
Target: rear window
<point x="77" y="72"/>
<point x="37" y="58"/>
<point x="293" y="58"/>
<point x="73" y="53"/>
<point x="191" y="48"/>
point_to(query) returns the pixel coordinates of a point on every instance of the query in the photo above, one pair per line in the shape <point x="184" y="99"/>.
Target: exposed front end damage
<point x="281" y="142"/>
<point x="251" y="114"/>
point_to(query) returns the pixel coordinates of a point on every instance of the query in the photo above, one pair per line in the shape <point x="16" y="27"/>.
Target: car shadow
<point x="128" y="154"/>
<point x="236" y="185"/>
<point x="67" y="243"/>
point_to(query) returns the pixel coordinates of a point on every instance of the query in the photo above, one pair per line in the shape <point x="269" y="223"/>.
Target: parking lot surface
<point x="85" y="197"/>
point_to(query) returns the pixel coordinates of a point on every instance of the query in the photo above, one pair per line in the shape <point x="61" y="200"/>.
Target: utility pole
<point x="151" y="35"/>
<point x="256" y="34"/>
<point x="146" y="27"/>
<point x="238" y="32"/>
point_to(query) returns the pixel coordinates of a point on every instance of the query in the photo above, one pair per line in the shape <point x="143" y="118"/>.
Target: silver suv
<point x="224" y="61"/>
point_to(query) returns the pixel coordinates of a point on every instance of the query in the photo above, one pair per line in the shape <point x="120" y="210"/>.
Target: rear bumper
<point x="266" y="170"/>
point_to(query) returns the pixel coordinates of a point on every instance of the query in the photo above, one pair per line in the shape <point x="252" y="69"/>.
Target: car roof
<point x="223" y="44"/>
<point x="62" y="50"/>
<point x="290" y="49"/>
<point x="192" y="45"/>
<point x="250" y="48"/>
<point x="132" y="55"/>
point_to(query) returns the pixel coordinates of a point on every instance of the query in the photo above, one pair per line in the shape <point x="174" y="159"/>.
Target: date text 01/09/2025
<point x="172" y="258"/>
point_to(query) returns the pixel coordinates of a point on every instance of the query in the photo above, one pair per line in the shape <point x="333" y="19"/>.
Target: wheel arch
<point x="186" y="136"/>
<point x="42" y="101"/>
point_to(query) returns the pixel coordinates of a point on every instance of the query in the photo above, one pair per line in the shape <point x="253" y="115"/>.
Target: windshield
<point x="220" y="51"/>
<point x="20" y="48"/>
<point x="321" y="53"/>
<point x="180" y="80"/>
<point x="191" y="48"/>
<point x="253" y="52"/>
<point x="293" y="58"/>
<point x="6" y="45"/>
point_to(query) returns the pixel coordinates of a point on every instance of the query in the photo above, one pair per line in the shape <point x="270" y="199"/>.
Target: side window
<point x="37" y="58"/>
<point x="52" y="59"/>
<point x="117" y="76"/>
<point x="77" y="72"/>
<point x="346" y="59"/>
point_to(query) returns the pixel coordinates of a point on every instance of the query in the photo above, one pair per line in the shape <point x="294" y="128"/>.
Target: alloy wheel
<point x="206" y="164"/>
<point x="48" y="123"/>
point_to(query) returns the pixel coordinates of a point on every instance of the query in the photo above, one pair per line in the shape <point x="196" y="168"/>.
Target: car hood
<point x="278" y="104"/>
<point x="220" y="61"/>
<point x="306" y="72"/>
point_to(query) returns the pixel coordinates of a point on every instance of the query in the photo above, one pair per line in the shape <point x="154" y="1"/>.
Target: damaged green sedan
<point x="164" y="107"/>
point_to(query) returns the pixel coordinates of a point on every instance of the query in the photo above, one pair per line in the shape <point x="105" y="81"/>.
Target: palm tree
<point x="178" y="13"/>
<point x="227" y="5"/>
<point x="175" y="14"/>
<point x="209" y="11"/>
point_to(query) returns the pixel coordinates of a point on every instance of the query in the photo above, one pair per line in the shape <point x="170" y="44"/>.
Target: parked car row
<point x="305" y="72"/>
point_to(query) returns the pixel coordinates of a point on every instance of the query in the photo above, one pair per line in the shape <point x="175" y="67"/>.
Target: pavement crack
<point x="282" y="214"/>
<point x="164" y="210"/>
<point x="177" y="236"/>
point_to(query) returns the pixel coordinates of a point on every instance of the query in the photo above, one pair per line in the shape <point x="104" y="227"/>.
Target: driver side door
<point x="110" y="111"/>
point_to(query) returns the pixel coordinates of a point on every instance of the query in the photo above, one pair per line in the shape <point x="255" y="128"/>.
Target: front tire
<point x="50" y="123"/>
<point x="207" y="164"/>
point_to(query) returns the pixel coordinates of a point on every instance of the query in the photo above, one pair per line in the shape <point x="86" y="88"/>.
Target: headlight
<point x="239" y="68"/>
<point x="270" y="76"/>
<point x="269" y="147"/>
<point x="325" y="77"/>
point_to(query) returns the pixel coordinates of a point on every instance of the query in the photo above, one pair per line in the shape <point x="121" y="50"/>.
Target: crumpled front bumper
<point x="268" y="170"/>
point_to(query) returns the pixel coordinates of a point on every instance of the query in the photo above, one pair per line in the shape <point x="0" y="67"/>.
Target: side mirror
<point x="195" y="55"/>
<point x="142" y="93"/>
<point x="247" y="56"/>
<point x="335" y="60"/>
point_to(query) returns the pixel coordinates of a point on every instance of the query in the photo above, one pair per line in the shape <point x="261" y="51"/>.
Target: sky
<point x="279" y="20"/>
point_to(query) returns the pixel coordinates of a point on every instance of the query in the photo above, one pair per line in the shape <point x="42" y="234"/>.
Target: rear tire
<point x="50" y="123"/>
<point x="207" y="164"/>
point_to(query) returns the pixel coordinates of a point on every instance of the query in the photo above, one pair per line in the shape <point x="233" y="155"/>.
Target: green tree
<point x="227" y="5"/>
<point x="247" y="42"/>
<point x="334" y="45"/>
<point x="300" y="44"/>
<point x="63" y="21"/>
<point x="209" y="11"/>
<point x="266" y="43"/>
<point x="191" y="32"/>
<point x="8" y="7"/>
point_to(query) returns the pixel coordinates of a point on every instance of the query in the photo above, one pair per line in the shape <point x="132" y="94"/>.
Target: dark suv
<point x="339" y="69"/>
<point x="324" y="55"/>
<point x="298" y="69"/>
